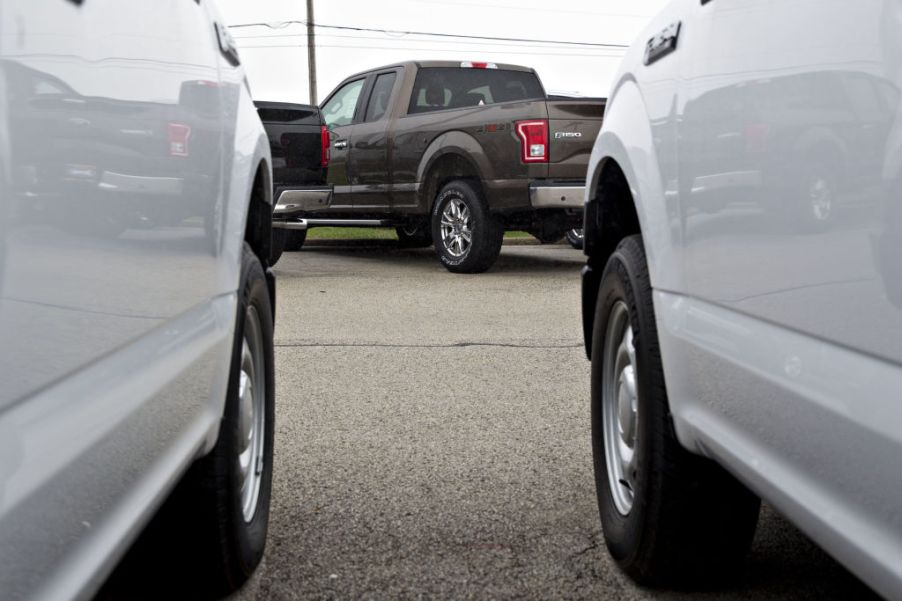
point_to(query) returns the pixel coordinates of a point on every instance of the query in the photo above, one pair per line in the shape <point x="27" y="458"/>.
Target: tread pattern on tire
<point x="488" y="230"/>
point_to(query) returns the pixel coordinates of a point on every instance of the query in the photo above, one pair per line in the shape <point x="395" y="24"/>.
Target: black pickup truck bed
<point x="299" y="143"/>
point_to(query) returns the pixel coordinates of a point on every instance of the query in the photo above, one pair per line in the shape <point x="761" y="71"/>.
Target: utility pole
<point x="311" y="52"/>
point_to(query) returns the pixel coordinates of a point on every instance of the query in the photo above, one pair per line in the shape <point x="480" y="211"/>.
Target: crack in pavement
<point x="454" y="345"/>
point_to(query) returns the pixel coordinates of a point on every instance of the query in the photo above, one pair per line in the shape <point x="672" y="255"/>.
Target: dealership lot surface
<point x="432" y="440"/>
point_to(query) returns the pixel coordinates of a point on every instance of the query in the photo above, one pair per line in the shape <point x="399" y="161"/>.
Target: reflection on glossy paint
<point x="106" y="195"/>
<point x="785" y="202"/>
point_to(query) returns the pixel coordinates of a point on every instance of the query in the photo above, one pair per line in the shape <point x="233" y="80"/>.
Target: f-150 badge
<point x="567" y="134"/>
<point x="662" y="44"/>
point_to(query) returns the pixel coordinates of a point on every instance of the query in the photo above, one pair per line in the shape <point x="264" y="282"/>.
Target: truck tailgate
<point x="295" y="142"/>
<point x="573" y="125"/>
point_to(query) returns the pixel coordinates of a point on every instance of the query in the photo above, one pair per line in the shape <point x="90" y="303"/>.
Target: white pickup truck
<point x="742" y="300"/>
<point x="136" y="303"/>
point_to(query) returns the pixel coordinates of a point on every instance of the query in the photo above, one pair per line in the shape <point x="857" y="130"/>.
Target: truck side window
<point x="340" y="108"/>
<point x="380" y="96"/>
<point x="438" y="88"/>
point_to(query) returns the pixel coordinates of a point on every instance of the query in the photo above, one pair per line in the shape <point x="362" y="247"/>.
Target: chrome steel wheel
<point x="251" y="413"/>
<point x="821" y="198"/>
<point x="457" y="235"/>
<point x="620" y="407"/>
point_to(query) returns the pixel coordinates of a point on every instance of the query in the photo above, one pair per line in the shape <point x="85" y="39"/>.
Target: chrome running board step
<point x="303" y="224"/>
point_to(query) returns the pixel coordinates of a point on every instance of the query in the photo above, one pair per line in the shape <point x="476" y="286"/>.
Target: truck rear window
<point x="283" y="115"/>
<point x="438" y="88"/>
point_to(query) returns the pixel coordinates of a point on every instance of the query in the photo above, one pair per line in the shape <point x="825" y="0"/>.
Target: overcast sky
<point x="276" y="58"/>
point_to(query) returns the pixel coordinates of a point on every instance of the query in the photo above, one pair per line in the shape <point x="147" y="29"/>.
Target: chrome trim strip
<point x="303" y="224"/>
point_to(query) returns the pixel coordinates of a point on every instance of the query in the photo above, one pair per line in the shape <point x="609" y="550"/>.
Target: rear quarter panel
<point x="573" y="127"/>
<point x="485" y="135"/>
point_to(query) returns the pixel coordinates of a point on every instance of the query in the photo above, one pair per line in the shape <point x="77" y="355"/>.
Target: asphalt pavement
<point x="433" y="440"/>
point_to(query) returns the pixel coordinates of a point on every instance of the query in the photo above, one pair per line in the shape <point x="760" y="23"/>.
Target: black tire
<point x="414" y="235"/>
<point x="575" y="238"/>
<point x="486" y="230"/>
<point x="295" y="240"/>
<point x="552" y="236"/>
<point x="690" y="523"/>
<point x="285" y="240"/>
<point x="205" y="512"/>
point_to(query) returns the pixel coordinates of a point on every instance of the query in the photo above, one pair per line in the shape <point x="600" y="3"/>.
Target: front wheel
<point x="467" y="236"/>
<point x="414" y="235"/>
<point x="669" y="517"/>
<point x="220" y="511"/>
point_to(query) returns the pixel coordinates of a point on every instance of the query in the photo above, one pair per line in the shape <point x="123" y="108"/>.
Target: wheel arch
<point x="454" y="155"/>
<point x="624" y="196"/>
<point x="258" y="229"/>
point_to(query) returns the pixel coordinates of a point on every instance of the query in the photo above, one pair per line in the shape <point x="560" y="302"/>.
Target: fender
<point x="626" y="138"/>
<point x="250" y="150"/>
<point x="450" y="143"/>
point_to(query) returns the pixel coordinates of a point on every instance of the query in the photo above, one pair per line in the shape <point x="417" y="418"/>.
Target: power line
<point x="284" y="24"/>
<point x="455" y="50"/>
<point x="536" y="9"/>
<point x="549" y="45"/>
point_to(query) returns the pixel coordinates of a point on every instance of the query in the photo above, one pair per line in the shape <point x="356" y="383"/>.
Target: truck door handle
<point x="341" y="144"/>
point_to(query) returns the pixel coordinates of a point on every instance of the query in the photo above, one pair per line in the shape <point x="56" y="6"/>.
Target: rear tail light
<point x="756" y="135"/>
<point x="533" y="141"/>
<point x="324" y="144"/>
<point x="178" y="139"/>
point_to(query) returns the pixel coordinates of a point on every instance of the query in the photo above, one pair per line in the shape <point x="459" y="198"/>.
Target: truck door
<point x="112" y="128"/>
<point x="340" y="111"/>
<point x="369" y="160"/>
<point x="788" y="145"/>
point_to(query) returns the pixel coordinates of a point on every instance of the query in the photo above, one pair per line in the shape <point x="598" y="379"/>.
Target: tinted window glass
<point x="287" y="115"/>
<point x="438" y="88"/>
<point x="380" y="96"/>
<point x="340" y="108"/>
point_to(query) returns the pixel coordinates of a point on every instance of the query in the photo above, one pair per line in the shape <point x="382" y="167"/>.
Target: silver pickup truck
<point x="136" y="302"/>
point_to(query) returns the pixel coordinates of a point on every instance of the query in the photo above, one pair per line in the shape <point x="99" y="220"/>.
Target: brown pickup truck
<point x="450" y="152"/>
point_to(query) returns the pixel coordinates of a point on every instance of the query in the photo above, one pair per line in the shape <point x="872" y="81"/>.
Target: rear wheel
<point x="295" y="240"/>
<point x="669" y="517"/>
<point x="414" y="235"/>
<point x="815" y="202"/>
<point x="467" y="236"/>
<point x="285" y="240"/>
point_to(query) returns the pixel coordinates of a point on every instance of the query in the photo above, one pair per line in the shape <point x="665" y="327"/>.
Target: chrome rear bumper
<point x="295" y="201"/>
<point x="557" y="197"/>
